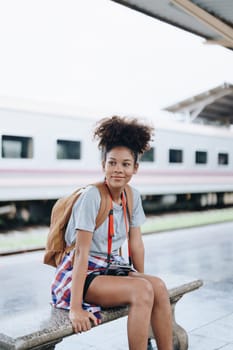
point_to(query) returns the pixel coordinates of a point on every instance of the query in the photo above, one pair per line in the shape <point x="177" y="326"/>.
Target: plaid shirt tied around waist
<point x="61" y="286"/>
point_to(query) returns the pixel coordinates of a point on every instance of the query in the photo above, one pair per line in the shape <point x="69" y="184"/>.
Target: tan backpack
<point x="56" y="246"/>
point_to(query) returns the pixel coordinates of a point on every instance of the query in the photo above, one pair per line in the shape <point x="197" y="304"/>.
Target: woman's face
<point x="119" y="167"/>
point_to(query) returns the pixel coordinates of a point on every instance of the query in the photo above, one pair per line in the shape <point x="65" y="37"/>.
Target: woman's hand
<point x="81" y="320"/>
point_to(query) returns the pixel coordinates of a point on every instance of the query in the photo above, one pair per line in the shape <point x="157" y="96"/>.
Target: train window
<point x="17" y="146"/>
<point x="223" y="158"/>
<point x="175" y="156"/>
<point x="201" y="157"/>
<point x="148" y="156"/>
<point x="67" y="149"/>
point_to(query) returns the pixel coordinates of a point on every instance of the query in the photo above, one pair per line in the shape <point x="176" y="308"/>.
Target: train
<point x="47" y="155"/>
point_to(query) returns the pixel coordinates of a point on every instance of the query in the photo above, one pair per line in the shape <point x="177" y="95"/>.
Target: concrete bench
<point x="44" y="331"/>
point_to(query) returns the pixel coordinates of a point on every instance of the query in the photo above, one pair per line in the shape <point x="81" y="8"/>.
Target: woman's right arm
<point x="80" y="318"/>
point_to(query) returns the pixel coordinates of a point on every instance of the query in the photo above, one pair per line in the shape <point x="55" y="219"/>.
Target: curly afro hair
<point x="123" y="131"/>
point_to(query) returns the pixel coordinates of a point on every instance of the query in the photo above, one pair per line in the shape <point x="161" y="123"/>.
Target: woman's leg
<point x="110" y="291"/>
<point x="161" y="316"/>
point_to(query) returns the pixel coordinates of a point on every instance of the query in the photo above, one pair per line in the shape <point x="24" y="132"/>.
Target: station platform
<point x="177" y="257"/>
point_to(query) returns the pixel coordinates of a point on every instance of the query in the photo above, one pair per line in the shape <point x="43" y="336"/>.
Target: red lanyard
<point x="111" y="226"/>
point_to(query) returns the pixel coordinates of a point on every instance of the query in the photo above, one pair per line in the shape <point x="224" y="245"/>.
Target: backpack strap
<point x="105" y="203"/>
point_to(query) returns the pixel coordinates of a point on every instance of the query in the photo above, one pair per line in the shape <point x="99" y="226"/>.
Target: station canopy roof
<point x="210" y="19"/>
<point x="214" y="106"/>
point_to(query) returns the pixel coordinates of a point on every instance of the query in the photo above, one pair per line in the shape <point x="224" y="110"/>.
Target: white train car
<point x="193" y="165"/>
<point x="45" y="156"/>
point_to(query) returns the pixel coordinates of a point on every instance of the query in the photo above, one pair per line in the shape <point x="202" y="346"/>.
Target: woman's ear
<point x="136" y="168"/>
<point x="103" y="164"/>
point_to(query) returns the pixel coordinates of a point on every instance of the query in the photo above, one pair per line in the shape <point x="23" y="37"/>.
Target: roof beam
<point x="214" y="23"/>
<point x="222" y="42"/>
<point x="197" y="101"/>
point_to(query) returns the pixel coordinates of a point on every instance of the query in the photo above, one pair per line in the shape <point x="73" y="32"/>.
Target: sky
<point x="102" y="58"/>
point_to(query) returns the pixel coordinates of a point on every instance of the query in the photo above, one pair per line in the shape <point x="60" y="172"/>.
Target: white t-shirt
<point x="83" y="217"/>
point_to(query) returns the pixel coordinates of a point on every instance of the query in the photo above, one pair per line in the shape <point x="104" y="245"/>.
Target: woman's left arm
<point x="137" y="248"/>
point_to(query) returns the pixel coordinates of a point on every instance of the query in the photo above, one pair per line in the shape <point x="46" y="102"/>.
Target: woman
<point x="83" y="283"/>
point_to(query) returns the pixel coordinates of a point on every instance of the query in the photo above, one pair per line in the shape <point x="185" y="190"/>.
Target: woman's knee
<point x="160" y="289"/>
<point x="142" y="292"/>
